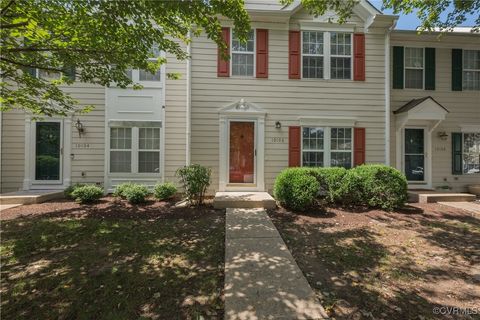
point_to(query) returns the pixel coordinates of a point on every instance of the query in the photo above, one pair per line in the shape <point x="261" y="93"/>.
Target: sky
<point x="410" y="21"/>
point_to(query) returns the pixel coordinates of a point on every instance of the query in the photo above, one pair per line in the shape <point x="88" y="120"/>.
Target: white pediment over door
<point x="242" y="107"/>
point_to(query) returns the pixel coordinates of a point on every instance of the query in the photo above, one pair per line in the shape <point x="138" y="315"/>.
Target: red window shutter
<point x="294" y="141"/>
<point x="358" y="146"/>
<point x="223" y="66"/>
<point x="294" y="55"/>
<point x="359" y="57"/>
<point x="262" y="53"/>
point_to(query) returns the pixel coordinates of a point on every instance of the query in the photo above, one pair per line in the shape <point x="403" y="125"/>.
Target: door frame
<point x="427" y="170"/>
<point x="29" y="181"/>
<point x="255" y="129"/>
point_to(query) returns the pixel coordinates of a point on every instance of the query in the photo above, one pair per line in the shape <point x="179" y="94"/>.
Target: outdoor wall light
<point x="443" y="135"/>
<point x="80" y="128"/>
<point x="278" y="125"/>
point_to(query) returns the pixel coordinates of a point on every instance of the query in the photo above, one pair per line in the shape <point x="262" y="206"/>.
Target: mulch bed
<point x="372" y="264"/>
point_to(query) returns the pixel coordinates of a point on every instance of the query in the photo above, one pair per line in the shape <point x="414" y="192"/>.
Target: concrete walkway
<point x="262" y="280"/>
<point x="472" y="207"/>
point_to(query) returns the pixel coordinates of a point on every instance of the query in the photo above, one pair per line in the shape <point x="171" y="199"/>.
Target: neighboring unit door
<point x="242" y="152"/>
<point x="414" y="154"/>
<point x="48" y="152"/>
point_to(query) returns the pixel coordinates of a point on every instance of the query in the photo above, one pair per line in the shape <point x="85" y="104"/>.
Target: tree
<point x="98" y="40"/>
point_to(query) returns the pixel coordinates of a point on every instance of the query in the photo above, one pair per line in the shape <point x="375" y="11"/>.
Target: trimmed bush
<point x="68" y="190"/>
<point x="296" y="188"/>
<point x="330" y="180"/>
<point x="87" y="193"/>
<point x="375" y="186"/>
<point x="136" y="193"/>
<point x="120" y="189"/>
<point x="164" y="191"/>
<point x="195" y="180"/>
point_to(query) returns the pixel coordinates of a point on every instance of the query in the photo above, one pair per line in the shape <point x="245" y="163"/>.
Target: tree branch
<point x="13" y="25"/>
<point x="33" y="49"/>
<point x="30" y="65"/>
<point x="2" y="11"/>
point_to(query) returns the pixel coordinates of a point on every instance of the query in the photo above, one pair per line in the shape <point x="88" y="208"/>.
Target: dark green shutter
<point x="457" y="161"/>
<point x="457" y="69"/>
<point x="397" y="68"/>
<point x="429" y="68"/>
<point x="70" y="73"/>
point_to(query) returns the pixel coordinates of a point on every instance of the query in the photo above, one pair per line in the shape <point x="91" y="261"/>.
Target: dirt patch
<point x="387" y="265"/>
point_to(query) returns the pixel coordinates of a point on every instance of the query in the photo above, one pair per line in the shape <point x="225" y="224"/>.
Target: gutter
<point x="387" y="93"/>
<point x="188" y="131"/>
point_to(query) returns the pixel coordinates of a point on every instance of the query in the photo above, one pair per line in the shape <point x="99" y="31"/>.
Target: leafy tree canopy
<point x="100" y="39"/>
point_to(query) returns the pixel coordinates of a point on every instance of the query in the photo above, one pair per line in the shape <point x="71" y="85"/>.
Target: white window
<point x="149" y="150"/>
<point x="142" y="156"/>
<point x="312" y="54"/>
<point x="120" y="149"/>
<point x="414" y="60"/>
<point x="327" y="147"/>
<point x="140" y="75"/>
<point x="243" y="55"/>
<point x="327" y="55"/>
<point x="471" y="69"/>
<point x="471" y="153"/>
<point x="340" y="55"/>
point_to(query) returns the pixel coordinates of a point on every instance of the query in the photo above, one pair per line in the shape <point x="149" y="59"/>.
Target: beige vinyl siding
<point x="463" y="106"/>
<point x="175" y="117"/>
<point x="12" y="150"/>
<point x="284" y="100"/>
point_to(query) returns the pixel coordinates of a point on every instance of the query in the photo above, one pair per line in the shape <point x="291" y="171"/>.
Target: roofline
<point x="426" y="32"/>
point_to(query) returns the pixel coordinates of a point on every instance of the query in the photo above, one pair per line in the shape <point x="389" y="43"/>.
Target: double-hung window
<point x="340" y="55"/>
<point x="414" y="68"/>
<point x="471" y="153"/>
<point x="327" y="147"/>
<point x="312" y="54"/>
<point x="141" y="75"/>
<point x="471" y="69"/>
<point x="243" y="55"/>
<point x="141" y="156"/>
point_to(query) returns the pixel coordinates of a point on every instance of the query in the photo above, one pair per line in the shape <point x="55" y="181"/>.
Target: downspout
<point x="189" y="102"/>
<point x="387" y="93"/>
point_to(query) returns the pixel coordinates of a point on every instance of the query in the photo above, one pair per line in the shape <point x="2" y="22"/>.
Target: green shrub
<point x="68" y="190"/>
<point x="87" y="193"/>
<point x="195" y="180"/>
<point x="375" y="186"/>
<point x="120" y="189"/>
<point x="136" y="193"/>
<point x="296" y="188"/>
<point x="330" y="180"/>
<point x="164" y="191"/>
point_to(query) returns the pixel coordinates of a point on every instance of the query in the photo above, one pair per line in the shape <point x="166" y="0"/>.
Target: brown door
<point x="242" y="151"/>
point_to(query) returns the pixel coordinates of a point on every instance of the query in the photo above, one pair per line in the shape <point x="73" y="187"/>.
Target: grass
<point x="96" y="268"/>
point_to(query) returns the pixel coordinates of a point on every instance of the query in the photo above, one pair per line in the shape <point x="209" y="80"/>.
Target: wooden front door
<point x="242" y="152"/>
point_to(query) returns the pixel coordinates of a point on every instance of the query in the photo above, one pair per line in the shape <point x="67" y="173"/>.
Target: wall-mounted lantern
<point x="443" y="135"/>
<point x="278" y="125"/>
<point x="80" y="128"/>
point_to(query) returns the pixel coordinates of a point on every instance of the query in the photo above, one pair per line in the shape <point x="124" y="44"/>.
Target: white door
<point x="414" y="155"/>
<point x="47" y="162"/>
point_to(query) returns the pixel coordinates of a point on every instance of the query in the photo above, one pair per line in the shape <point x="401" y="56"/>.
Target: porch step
<point x="224" y="200"/>
<point x="432" y="196"/>
<point x="30" y="196"/>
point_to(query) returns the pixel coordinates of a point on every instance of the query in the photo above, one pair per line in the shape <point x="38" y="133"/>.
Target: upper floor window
<point x="146" y="76"/>
<point x="414" y="65"/>
<point x="312" y="54"/>
<point x="243" y="55"/>
<point x="326" y="55"/>
<point x="471" y="70"/>
<point x="340" y="55"/>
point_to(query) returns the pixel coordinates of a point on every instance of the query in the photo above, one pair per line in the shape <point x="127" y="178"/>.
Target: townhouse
<point x="302" y="91"/>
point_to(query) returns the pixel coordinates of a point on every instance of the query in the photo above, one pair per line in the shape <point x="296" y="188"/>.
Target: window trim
<point x="327" y="144"/>
<point x="149" y="150"/>
<point x="463" y="152"/>
<point x="412" y="68"/>
<point x="327" y="54"/>
<point x="110" y="149"/>
<point x="134" y="154"/>
<point x="254" y="53"/>
<point x="464" y="70"/>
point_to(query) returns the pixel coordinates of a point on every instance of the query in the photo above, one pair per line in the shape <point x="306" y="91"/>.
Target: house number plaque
<point x="278" y="140"/>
